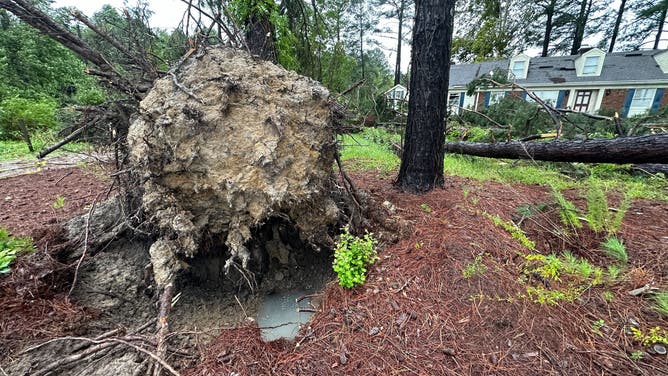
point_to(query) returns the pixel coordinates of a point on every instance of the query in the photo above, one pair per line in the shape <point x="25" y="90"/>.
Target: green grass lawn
<point x="370" y="149"/>
<point x="10" y="150"/>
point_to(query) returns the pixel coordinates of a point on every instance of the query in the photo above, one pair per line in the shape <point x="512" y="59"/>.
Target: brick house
<point x="629" y="83"/>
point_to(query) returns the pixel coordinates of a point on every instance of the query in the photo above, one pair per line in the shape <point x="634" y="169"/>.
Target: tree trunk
<point x="662" y="21"/>
<point x="640" y="149"/>
<point x="422" y="163"/>
<point x="260" y="38"/>
<point x="580" y="24"/>
<point x="618" y="22"/>
<point x="549" y="11"/>
<point x="397" y="65"/>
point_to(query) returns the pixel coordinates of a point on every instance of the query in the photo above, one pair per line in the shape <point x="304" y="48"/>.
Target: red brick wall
<point x="613" y="99"/>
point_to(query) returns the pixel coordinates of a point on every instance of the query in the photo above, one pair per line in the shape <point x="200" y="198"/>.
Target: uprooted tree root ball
<point x="225" y="143"/>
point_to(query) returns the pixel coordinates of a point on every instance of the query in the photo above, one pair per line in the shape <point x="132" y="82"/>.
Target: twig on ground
<point x="85" y="249"/>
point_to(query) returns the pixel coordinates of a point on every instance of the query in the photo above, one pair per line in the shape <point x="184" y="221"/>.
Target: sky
<point x="167" y="13"/>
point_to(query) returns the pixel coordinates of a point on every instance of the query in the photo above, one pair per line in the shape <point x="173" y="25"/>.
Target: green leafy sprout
<point x="352" y="256"/>
<point x="10" y="248"/>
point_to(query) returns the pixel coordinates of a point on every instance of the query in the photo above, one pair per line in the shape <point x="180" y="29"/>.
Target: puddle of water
<point x="279" y="317"/>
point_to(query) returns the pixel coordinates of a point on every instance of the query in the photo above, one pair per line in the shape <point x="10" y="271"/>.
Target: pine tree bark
<point x="639" y="149"/>
<point x="422" y="163"/>
<point x="618" y="22"/>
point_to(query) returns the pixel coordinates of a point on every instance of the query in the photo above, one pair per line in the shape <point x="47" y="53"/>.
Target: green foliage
<point x="661" y="303"/>
<point x="614" y="272"/>
<point x="615" y="248"/>
<point x="59" y="203"/>
<point x="608" y="296"/>
<point x="513" y="230"/>
<point x="637" y="355"/>
<point x="599" y="216"/>
<point x="425" y="208"/>
<point x="35" y="114"/>
<point x="572" y="275"/>
<point x="10" y="248"/>
<point x="352" y="256"/>
<point x="474" y="268"/>
<point x="568" y="213"/>
<point x="655" y="335"/>
<point x="597" y="325"/>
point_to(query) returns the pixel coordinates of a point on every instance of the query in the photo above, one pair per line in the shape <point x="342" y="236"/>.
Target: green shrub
<point x="35" y="114"/>
<point x="352" y="256"/>
<point x="10" y="247"/>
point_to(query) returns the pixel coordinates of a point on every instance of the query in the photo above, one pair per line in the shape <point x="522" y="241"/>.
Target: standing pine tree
<point x="422" y="162"/>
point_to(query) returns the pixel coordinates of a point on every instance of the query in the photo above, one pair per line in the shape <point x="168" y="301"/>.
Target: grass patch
<point x="363" y="151"/>
<point x="10" y="150"/>
<point x="371" y="150"/>
<point x="661" y="303"/>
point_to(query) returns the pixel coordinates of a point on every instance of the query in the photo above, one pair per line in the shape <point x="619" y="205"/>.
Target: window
<point x="518" y="68"/>
<point x="642" y="101"/>
<point x="547" y="96"/>
<point x="398" y="94"/>
<point x="496" y="96"/>
<point x="591" y="65"/>
<point x="453" y="102"/>
<point x="582" y="100"/>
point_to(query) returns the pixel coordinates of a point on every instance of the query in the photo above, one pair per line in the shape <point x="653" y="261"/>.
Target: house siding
<point x="613" y="100"/>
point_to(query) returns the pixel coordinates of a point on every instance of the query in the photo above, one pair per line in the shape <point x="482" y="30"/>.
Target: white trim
<point x="511" y="64"/>
<point x="662" y="60"/>
<point x="581" y="60"/>
<point x="599" y="100"/>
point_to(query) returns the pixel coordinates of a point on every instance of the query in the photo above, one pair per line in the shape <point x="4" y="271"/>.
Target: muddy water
<point x="279" y="315"/>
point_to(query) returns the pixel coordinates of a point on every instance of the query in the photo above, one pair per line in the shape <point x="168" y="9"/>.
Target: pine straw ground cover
<point x="451" y="298"/>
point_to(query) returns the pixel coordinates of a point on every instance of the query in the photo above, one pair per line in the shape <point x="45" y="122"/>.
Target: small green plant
<point x="564" y="277"/>
<point x="614" y="272"/>
<point x="59" y="203"/>
<point x="352" y="256"/>
<point x="608" y="296"/>
<point x="10" y="248"/>
<point x="599" y="215"/>
<point x="474" y="268"/>
<point x="615" y="248"/>
<point x="597" y="325"/>
<point x="474" y="200"/>
<point x="655" y="335"/>
<point x="426" y="208"/>
<point x="568" y="213"/>
<point x="661" y="303"/>
<point x="515" y="232"/>
<point x="637" y="355"/>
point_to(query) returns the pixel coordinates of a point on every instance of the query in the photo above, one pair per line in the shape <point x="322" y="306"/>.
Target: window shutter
<point x="524" y="95"/>
<point x="657" y="99"/>
<point x="627" y="102"/>
<point x="487" y="95"/>
<point x="461" y="99"/>
<point x="560" y="98"/>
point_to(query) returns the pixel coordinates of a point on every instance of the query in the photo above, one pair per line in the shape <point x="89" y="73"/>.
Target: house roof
<point x="398" y="86"/>
<point x="617" y="67"/>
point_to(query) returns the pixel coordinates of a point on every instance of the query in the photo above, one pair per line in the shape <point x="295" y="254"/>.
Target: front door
<point x="582" y="100"/>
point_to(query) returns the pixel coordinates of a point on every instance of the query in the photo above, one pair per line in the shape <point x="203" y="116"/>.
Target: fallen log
<point x="640" y="149"/>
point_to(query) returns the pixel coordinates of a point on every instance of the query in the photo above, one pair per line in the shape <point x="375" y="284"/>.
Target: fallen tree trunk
<point x="640" y="149"/>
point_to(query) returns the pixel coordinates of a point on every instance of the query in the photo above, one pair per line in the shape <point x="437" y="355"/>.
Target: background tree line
<point x="337" y="42"/>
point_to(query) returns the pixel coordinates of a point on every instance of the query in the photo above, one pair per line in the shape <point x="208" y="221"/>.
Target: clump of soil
<point x="225" y="144"/>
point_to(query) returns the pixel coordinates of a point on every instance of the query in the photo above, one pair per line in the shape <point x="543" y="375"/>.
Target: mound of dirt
<point x="225" y="143"/>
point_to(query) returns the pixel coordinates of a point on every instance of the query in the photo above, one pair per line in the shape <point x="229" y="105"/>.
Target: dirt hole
<point x="284" y="269"/>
